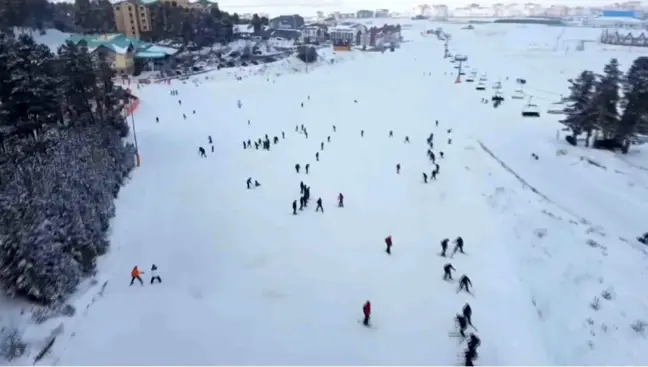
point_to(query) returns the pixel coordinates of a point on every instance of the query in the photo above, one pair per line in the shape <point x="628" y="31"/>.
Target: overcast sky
<point x="309" y="7"/>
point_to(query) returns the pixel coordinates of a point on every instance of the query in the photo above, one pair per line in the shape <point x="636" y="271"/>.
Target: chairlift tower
<point x="459" y="70"/>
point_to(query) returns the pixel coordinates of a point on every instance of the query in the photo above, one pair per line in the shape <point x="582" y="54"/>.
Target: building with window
<point x="133" y="17"/>
<point x="127" y="55"/>
<point x="346" y="35"/>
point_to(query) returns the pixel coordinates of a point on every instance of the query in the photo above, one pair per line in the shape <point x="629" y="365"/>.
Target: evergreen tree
<point x="83" y="15"/>
<point x="62" y="163"/>
<point x="578" y="110"/>
<point x="256" y="23"/>
<point x="606" y="99"/>
<point x="635" y="90"/>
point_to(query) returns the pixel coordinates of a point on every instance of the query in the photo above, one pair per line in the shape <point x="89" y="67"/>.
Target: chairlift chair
<point x="480" y="86"/>
<point x="557" y="108"/>
<point x="530" y="110"/>
<point x="497" y="97"/>
<point x="469" y="79"/>
<point x="518" y="94"/>
<point x="497" y="86"/>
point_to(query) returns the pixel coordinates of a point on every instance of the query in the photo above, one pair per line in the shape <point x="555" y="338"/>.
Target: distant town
<point x="525" y="10"/>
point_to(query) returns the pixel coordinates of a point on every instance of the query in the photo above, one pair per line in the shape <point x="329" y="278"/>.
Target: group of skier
<point x="136" y="275"/>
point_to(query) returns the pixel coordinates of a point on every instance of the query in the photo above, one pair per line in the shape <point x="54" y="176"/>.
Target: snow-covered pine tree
<point x="57" y="186"/>
<point x="606" y="100"/>
<point x="635" y="94"/>
<point x="578" y="110"/>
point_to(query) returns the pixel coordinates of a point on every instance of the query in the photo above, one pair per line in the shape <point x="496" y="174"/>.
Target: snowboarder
<point x="317" y="156"/>
<point x="444" y="244"/>
<point x="249" y="182"/>
<point x="458" y="246"/>
<point x="425" y="177"/>
<point x="297" y="166"/>
<point x="469" y="357"/>
<point x="462" y="325"/>
<point x="388" y="242"/>
<point x="306" y="194"/>
<point x="295" y="207"/>
<point x="447" y="271"/>
<point x="473" y="342"/>
<point x="306" y="167"/>
<point x="135" y="274"/>
<point x="201" y="151"/>
<point x="398" y="168"/>
<point x="341" y="200"/>
<point x="467" y="313"/>
<point x="154" y="275"/>
<point x="256" y="183"/>
<point x="464" y="283"/>
<point x="319" y="205"/>
<point x="366" y="310"/>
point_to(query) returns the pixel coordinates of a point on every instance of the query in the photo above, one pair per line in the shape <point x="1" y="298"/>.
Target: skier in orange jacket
<point x="135" y="274"/>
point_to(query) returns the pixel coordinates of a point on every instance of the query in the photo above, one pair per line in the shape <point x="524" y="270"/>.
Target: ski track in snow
<point x="245" y="282"/>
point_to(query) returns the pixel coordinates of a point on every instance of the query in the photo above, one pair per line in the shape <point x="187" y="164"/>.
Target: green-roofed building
<point x="127" y="55"/>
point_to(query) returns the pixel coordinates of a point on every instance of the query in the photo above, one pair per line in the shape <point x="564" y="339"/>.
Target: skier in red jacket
<point x="366" y="310"/>
<point x="388" y="241"/>
<point x="341" y="200"/>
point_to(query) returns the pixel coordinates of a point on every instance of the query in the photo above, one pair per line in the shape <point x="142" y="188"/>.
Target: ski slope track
<point x="558" y="278"/>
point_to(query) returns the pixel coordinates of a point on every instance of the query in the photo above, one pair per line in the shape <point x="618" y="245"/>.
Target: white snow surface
<point x="246" y="283"/>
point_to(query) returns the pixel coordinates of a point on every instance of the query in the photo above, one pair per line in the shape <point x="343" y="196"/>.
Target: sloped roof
<point x="120" y="44"/>
<point x="115" y="42"/>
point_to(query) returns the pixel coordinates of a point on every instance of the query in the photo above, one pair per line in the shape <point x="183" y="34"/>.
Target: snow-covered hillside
<point x="558" y="277"/>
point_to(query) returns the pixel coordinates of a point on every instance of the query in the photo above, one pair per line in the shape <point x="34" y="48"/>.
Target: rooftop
<point x="121" y="44"/>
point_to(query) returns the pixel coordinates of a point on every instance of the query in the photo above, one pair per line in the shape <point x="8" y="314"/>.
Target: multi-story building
<point x="381" y="13"/>
<point x="133" y="17"/>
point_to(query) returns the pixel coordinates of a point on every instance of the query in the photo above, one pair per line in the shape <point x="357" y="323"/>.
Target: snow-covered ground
<point x="558" y="277"/>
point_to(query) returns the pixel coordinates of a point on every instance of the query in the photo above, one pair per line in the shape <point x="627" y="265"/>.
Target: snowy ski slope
<point x="246" y="282"/>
